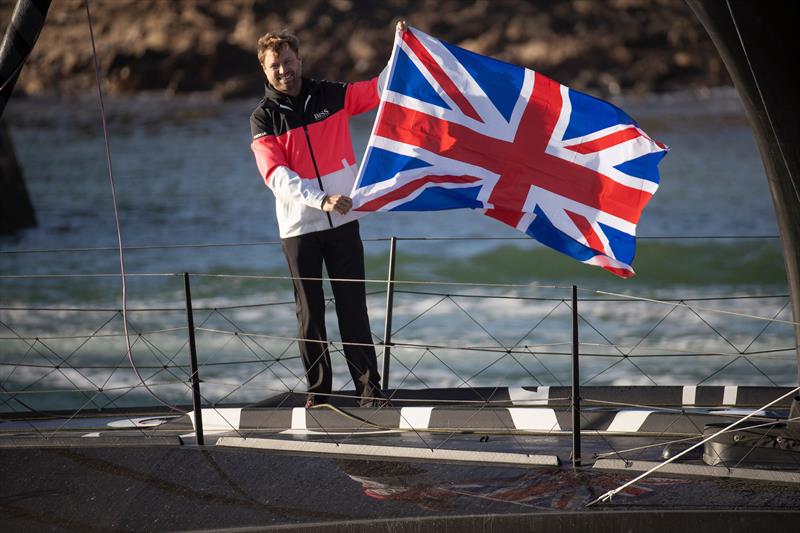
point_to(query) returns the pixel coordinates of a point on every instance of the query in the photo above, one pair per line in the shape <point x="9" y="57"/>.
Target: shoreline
<point x="608" y="48"/>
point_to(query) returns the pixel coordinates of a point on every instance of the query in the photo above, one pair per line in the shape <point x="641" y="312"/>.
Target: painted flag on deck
<point x="456" y="129"/>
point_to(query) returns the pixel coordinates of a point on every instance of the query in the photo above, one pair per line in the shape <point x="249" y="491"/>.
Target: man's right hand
<point x="337" y="202"/>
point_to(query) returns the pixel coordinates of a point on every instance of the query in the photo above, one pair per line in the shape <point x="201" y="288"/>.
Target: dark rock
<point x="205" y="45"/>
<point x="16" y="210"/>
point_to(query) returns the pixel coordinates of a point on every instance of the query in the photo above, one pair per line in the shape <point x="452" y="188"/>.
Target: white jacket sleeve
<point x="288" y="185"/>
<point x="382" y="79"/>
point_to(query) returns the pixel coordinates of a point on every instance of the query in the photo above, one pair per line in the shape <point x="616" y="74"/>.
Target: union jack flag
<point x="456" y="129"/>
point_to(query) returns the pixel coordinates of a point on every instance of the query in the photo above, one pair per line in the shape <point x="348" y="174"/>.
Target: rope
<point x="116" y="219"/>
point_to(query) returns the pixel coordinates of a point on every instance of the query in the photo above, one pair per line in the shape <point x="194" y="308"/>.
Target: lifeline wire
<point x="116" y="220"/>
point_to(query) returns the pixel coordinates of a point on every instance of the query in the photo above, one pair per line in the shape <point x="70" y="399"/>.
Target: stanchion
<point x="198" y="410"/>
<point x="576" y="396"/>
<point x="387" y="327"/>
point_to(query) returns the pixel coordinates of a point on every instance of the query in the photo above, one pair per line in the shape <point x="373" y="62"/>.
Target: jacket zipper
<point x="311" y="151"/>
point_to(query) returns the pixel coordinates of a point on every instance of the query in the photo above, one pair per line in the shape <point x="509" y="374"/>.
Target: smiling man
<point x="301" y="141"/>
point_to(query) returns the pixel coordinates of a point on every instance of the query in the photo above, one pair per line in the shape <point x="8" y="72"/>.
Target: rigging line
<point x="763" y="102"/>
<point x="92" y="275"/>
<point x="401" y="328"/>
<point x="529" y="350"/>
<point x="268" y="366"/>
<point x="629" y="352"/>
<point x="91" y="309"/>
<point x="495" y="339"/>
<point x="372" y="293"/>
<point x="603" y="455"/>
<point x="410" y="373"/>
<point x="717" y="371"/>
<point x="710" y="309"/>
<point x="23" y="404"/>
<point x="410" y="425"/>
<point x="73" y="415"/>
<point x="56" y="366"/>
<point x="272" y="364"/>
<point x="380" y="239"/>
<point x="269" y="363"/>
<point x="545" y="317"/>
<point x="140" y="247"/>
<point x="688" y="417"/>
<point x="760" y="371"/>
<point x="719" y="333"/>
<point x="15" y="366"/>
<point x="676" y="352"/>
<point x="639" y="237"/>
<point x="608" y="495"/>
<point x="171" y="359"/>
<point x="90" y="337"/>
<point x="526" y="370"/>
<point x="405" y="345"/>
<point x="25" y="420"/>
<point x="616" y="347"/>
<point x="589" y="300"/>
<point x="240" y="330"/>
<point x="116" y="218"/>
<point x="532" y="285"/>
<point x="767" y="325"/>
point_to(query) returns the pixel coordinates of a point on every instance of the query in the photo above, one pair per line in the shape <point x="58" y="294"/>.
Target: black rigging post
<point x="26" y="23"/>
<point x="758" y="43"/>
<point x="387" y="329"/>
<point x="197" y="405"/>
<point x="575" y="400"/>
<point x="27" y="19"/>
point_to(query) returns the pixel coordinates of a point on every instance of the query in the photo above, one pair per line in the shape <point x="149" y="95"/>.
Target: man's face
<point x="283" y="70"/>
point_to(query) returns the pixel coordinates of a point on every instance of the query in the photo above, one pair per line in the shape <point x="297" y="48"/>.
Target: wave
<point x="727" y="263"/>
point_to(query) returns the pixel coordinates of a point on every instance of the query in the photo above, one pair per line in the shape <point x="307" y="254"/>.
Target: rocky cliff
<point x="175" y="46"/>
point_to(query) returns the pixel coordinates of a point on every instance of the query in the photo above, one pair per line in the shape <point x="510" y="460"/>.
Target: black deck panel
<point x="187" y="488"/>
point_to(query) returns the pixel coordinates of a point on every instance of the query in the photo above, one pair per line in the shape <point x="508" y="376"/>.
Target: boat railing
<point x="573" y="342"/>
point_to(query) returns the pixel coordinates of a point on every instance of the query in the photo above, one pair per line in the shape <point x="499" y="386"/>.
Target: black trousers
<point x="342" y="252"/>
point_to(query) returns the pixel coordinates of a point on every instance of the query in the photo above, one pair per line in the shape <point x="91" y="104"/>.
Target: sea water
<point x="477" y="303"/>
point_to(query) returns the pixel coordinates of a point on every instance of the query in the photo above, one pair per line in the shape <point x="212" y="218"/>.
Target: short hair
<point x="274" y="41"/>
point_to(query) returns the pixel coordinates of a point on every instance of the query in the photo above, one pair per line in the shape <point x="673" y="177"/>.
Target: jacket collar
<point x="270" y="94"/>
